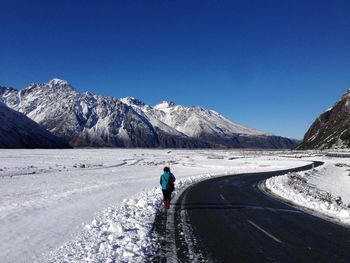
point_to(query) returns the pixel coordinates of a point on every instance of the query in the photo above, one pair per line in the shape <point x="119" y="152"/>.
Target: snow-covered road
<point x="48" y="196"/>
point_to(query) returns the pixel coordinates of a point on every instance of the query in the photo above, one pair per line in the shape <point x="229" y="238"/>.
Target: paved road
<point x="232" y="220"/>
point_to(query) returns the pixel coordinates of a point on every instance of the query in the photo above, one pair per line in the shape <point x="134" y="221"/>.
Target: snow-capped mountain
<point x="331" y="129"/>
<point x="197" y="121"/>
<point x="207" y="125"/>
<point x="86" y="119"/>
<point x="18" y="131"/>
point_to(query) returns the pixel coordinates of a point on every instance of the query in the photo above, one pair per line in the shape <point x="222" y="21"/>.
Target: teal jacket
<point x="164" y="179"/>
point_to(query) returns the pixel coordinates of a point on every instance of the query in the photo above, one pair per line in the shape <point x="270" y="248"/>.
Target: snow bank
<point x="119" y="233"/>
<point x="122" y="233"/>
<point x="296" y="187"/>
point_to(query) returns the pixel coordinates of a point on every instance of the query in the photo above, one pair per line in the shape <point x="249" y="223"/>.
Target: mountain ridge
<point x="87" y="119"/>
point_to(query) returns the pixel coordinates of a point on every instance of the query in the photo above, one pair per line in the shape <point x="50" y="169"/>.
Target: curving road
<point x="229" y="219"/>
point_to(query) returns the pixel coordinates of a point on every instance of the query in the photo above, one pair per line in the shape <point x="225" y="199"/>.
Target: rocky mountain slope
<point x="85" y="119"/>
<point x="18" y="131"/>
<point x="331" y="129"/>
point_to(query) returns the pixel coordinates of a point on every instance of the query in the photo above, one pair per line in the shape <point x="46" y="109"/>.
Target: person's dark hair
<point x="166" y="169"/>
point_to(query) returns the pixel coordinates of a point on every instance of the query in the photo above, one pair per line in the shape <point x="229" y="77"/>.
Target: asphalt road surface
<point x="230" y="219"/>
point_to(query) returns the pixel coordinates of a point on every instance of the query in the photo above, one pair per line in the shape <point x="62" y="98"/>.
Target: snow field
<point x="99" y="204"/>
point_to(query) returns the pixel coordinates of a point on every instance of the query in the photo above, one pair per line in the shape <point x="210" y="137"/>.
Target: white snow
<point x="98" y="205"/>
<point x="324" y="190"/>
<point x="164" y="105"/>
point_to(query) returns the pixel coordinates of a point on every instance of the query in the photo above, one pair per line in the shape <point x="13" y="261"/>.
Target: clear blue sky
<point x="271" y="65"/>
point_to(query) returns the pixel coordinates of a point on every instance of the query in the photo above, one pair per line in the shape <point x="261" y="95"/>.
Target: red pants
<point x="167" y="198"/>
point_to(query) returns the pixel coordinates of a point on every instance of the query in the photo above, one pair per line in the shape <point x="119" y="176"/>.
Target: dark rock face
<point x="331" y="129"/>
<point x="18" y="131"/>
<point x="88" y="120"/>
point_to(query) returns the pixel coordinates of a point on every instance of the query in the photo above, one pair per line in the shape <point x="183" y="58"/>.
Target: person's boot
<point x="167" y="204"/>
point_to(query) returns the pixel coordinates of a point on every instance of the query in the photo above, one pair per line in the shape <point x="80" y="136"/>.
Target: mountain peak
<point x="56" y="81"/>
<point x="165" y="105"/>
<point x="56" y="85"/>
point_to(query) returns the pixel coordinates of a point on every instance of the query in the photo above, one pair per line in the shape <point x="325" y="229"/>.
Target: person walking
<point x="167" y="180"/>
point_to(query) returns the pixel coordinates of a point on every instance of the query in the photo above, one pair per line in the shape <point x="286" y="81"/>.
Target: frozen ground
<point x="86" y="204"/>
<point x="325" y="190"/>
